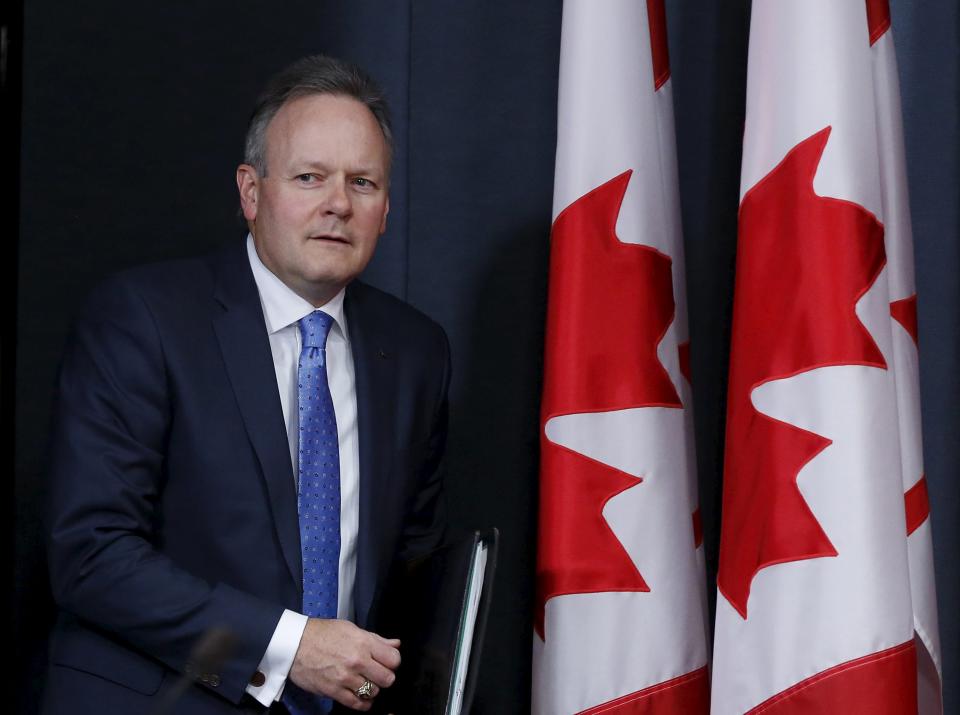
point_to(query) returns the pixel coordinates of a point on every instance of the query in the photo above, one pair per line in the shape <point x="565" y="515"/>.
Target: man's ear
<point x="383" y="221"/>
<point x="248" y="184"/>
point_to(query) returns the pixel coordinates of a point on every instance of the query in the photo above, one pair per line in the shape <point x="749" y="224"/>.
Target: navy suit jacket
<point x="172" y="504"/>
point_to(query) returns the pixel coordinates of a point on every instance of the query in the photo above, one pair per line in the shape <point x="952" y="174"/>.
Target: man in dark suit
<point x="247" y="442"/>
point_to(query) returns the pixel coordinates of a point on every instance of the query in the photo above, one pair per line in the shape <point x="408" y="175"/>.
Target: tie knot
<point x="314" y="329"/>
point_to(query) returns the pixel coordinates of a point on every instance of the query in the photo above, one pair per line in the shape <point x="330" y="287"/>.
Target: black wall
<point x="132" y="123"/>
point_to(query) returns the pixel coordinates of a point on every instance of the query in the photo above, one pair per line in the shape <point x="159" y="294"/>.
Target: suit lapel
<point x="242" y="335"/>
<point x="376" y="386"/>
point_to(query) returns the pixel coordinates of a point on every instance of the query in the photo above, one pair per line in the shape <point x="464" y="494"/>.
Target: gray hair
<point x="315" y="74"/>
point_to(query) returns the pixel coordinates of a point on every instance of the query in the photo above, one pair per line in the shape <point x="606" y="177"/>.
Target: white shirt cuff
<point x="278" y="659"/>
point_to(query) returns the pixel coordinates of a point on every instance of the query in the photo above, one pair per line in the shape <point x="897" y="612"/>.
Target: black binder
<point x="425" y="606"/>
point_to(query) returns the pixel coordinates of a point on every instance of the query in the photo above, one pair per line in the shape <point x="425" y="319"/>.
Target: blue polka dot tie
<point x="318" y="495"/>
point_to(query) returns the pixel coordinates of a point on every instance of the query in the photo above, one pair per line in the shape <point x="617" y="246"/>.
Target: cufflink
<point x="258" y="679"/>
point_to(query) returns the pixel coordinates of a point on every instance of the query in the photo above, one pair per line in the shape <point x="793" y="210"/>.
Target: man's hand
<point x="335" y="657"/>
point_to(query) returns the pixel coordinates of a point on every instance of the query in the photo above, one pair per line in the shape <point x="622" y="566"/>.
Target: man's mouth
<point x="327" y="237"/>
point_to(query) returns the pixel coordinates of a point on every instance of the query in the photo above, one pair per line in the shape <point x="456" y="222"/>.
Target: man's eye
<point x="362" y="182"/>
<point x="306" y="178"/>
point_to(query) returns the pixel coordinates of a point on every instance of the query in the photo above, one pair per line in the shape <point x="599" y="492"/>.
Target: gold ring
<point x="365" y="691"/>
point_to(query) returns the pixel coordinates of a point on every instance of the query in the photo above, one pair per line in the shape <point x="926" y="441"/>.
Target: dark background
<point x="132" y="120"/>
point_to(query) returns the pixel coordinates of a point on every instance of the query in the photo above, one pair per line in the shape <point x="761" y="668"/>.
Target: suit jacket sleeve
<point x="106" y="566"/>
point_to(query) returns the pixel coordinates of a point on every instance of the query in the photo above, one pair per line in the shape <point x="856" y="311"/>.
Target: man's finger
<point x="386" y="655"/>
<point x="392" y="642"/>
<point x="377" y="674"/>
<point x="345" y="696"/>
<point x="356" y="683"/>
<point x="349" y="698"/>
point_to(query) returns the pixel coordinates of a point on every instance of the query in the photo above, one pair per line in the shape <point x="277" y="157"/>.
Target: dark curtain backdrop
<point x="132" y="122"/>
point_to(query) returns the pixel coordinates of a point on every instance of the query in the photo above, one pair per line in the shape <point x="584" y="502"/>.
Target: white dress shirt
<point x="282" y="309"/>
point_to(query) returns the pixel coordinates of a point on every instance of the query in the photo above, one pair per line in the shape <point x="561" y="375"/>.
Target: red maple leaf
<point x="683" y="354"/>
<point x="657" y="23"/>
<point x="803" y="262"/>
<point x="878" y="19"/>
<point x="904" y="311"/>
<point x="610" y="303"/>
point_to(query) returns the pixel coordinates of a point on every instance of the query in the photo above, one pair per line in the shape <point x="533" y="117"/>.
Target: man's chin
<point x="326" y="283"/>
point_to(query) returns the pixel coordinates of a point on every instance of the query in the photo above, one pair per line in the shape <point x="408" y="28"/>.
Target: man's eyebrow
<point x="310" y="165"/>
<point x="354" y="171"/>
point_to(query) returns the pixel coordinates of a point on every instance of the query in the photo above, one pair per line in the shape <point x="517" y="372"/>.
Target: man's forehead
<point x="310" y="130"/>
<point x="304" y="116"/>
<point x="324" y="107"/>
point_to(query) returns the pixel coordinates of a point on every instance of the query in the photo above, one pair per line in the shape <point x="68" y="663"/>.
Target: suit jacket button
<point x="258" y="679"/>
<point x="213" y="680"/>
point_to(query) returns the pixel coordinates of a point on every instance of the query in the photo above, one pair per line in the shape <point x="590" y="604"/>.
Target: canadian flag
<point x="826" y="600"/>
<point x="620" y="624"/>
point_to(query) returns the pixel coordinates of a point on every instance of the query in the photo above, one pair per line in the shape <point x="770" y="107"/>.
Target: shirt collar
<point x="283" y="307"/>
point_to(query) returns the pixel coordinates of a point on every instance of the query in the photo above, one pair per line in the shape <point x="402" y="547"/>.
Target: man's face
<point x="316" y="215"/>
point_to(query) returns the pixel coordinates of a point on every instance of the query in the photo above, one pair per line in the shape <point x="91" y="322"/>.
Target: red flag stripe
<point x="878" y="18"/>
<point x="917" y="505"/>
<point x="883" y="683"/>
<point x="657" y="19"/>
<point x="687" y="694"/>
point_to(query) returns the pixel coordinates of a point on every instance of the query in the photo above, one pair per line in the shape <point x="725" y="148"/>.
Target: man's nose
<point x="337" y="200"/>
